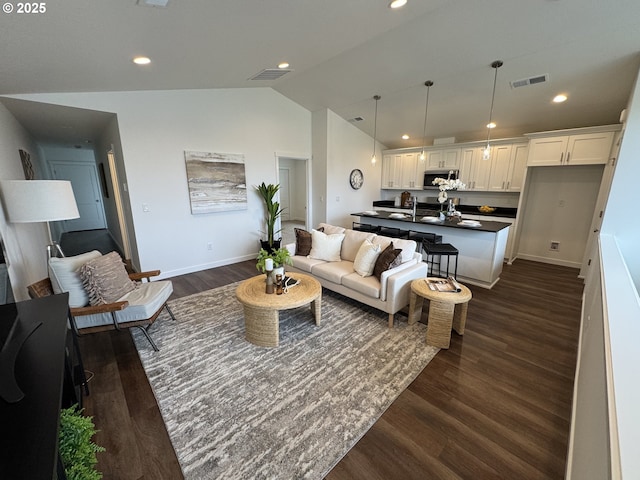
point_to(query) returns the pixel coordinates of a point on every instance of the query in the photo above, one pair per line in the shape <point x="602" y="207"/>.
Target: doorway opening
<point x="293" y="177"/>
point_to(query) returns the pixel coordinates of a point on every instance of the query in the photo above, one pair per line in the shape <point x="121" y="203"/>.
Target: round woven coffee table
<point x="446" y="310"/>
<point x="261" y="310"/>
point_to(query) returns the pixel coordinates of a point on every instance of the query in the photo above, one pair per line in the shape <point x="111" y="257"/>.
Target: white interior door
<point x="84" y="180"/>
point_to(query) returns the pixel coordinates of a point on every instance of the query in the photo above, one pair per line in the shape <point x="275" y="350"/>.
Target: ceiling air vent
<point x="271" y="74"/>
<point x="153" y="3"/>
<point x="530" y="81"/>
<point x="356" y="119"/>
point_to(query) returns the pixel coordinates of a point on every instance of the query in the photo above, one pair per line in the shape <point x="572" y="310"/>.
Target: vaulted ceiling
<point x="341" y="54"/>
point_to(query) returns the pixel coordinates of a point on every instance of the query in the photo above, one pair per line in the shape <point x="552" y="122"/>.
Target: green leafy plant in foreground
<point x="77" y="451"/>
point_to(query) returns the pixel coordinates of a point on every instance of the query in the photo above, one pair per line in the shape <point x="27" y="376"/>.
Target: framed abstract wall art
<point x="217" y="181"/>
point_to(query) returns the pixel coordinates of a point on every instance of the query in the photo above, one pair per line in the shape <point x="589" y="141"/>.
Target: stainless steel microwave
<point x="431" y="175"/>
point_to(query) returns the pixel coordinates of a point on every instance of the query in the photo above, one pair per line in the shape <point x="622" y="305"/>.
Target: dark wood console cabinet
<point x="40" y="349"/>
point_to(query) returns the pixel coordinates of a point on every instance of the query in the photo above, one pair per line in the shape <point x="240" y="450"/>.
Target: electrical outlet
<point x="145" y="207"/>
<point x="554" y="246"/>
<point x="209" y="246"/>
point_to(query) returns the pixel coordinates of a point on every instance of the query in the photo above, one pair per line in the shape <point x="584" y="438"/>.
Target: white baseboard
<point x="206" y="266"/>
<point x="552" y="261"/>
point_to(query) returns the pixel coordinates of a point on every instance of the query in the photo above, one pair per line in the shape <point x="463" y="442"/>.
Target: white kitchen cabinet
<point x="580" y="149"/>
<point x="474" y="171"/>
<point x="500" y="159"/>
<point x="443" y="158"/>
<point x="409" y="177"/>
<point x="508" y="164"/>
<point x="392" y="171"/>
<point x="400" y="171"/>
<point x="517" y="167"/>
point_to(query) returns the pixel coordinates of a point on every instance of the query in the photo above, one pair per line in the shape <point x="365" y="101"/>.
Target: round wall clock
<point x="356" y="178"/>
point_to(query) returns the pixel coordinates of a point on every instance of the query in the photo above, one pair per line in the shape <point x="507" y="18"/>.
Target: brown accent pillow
<point x="303" y="241"/>
<point x="389" y="258"/>
<point x="105" y="279"/>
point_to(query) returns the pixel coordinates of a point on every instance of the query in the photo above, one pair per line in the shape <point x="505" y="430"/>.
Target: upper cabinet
<point x="474" y="171"/>
<point x="508" y="164"/>
<point x="503" y="172"/>
<point x="392" y="171"/>
<point x="576" y="149"/>
<point x="442" y="158"/>
<point x="400" y="171"/>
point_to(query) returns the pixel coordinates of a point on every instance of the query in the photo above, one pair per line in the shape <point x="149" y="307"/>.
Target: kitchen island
<point x="482" y="248"/>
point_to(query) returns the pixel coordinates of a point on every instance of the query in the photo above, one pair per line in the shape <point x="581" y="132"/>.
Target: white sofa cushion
<point x="333" y="271"/>
<point x="64" y="276"/>
<point x="326" y="247"/>
<point x="369" y="286"/>
<point x="331" y="229"/>
<point x="408" y="247"/>
<point x="305" y="263"/>
<point x="352" y="242"/>
<point x="366" y="258"/>
<point x="144" y="301"/>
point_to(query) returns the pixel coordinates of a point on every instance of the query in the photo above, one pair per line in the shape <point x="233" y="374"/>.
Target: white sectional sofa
<point x="389" y="293"/>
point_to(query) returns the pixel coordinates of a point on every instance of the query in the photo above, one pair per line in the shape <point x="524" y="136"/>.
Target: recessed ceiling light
<point x="491" y="125"/>
<point x="560" y="98"/>
<point x="397" y="3"/>
<point x="283" y="65"/>
<point x="142" y="60"/>
<point x="405" y="137"/>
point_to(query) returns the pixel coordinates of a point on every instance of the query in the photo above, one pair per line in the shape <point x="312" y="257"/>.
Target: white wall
<point x="606" y="418"/>
<point x="349" y="148"/>
<point x="559" y="207"/>
<point x="25" y="243"/>
<point x="156" y="127"/>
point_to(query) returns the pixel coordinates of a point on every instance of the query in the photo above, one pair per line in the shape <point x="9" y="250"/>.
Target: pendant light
<point x="423" y="157"/>
<point x="375" y="128"/>
<point x="486" y="153"/>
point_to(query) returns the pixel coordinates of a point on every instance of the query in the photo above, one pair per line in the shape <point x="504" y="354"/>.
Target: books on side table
<point x="448" y="284"/>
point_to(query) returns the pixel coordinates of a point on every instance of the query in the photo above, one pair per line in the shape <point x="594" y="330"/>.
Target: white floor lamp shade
<point x="33" y="201"/>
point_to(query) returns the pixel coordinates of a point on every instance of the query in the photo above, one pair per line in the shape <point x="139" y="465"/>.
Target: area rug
<point x="237" y="411"/>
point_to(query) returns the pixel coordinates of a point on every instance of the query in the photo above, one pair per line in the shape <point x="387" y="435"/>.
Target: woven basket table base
<point x="447" y="310"/>
<point x="262" y="310"/>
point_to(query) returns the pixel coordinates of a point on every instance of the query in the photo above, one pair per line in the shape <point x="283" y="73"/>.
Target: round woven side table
<point x="446" y="310"/>
<point x="261" y="310"/>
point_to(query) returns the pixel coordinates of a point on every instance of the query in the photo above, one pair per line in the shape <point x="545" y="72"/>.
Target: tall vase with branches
<point x="273" y="212"/>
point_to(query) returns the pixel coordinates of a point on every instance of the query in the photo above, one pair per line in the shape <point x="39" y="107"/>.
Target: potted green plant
<point x="77" y="451"/>
<point x="280" y="257"/>
<point x="273" y="212"/>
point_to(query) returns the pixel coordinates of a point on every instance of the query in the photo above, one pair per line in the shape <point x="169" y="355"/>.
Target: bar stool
<point x="393" y="232"/>
<point x="365" y="227"/>
<point x="440" y="250"/>
<point x="420" y="237"/>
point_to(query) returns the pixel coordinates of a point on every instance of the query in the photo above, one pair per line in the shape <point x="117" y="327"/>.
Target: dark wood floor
<point x="496" y="405"/>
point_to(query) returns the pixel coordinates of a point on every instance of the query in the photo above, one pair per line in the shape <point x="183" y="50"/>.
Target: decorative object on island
<point x="217" y="182"/>
<point x="77" y="451"/>
<point x="486" y="153"/>
<point x="422" y="156"/>
<point x="35" y="201"/>
<point x="445" y="184"/>
<point x="273" y="212"/>
<point x="375" y="129"/>
<point x="356" y="178"/>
